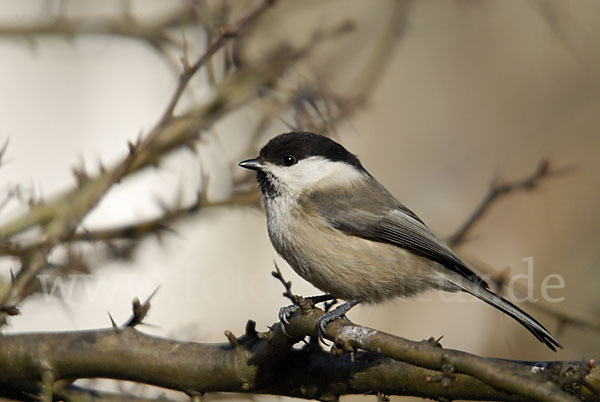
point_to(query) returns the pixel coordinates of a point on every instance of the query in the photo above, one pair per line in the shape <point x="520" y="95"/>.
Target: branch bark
<point x="265" y="363"/>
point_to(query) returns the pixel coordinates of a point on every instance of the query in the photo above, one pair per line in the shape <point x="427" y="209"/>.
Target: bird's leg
<point x="287" y="311"/>
<point x="332" y="315"/>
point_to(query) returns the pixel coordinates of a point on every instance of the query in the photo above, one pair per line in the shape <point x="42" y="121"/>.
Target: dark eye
<point x="289" y="160"/>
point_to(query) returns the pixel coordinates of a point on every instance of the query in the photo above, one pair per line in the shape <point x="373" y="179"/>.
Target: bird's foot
<point x="333" y="315"/>
<point x="300" y="304"/>
<point x="286" y="312"/>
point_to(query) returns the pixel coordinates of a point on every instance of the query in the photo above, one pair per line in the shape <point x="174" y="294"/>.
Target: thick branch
<point x="265" y="363"/>
<point x="142" y="228"/>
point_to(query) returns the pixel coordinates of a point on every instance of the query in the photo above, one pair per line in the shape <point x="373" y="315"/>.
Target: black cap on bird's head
<point x="303" y="144"/>
<point x="289" y="148"/>
<point x="295" y="162"/>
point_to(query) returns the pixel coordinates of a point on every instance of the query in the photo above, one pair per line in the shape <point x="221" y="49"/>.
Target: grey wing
<point x="380" y="217"/>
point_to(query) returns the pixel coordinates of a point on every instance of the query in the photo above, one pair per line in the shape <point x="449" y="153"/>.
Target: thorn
<point x="162" y="205"/>
<point x="159" y="237"/>
<point x="112" y="321"/>
<point x="435" y="342"/>
<point x="3" y="150"/>
<point x="203" y="190"/>
<point x="80" y="176"/>
<point x="543" y="167"/>
<point x="131" y="147"/>
<point x="155" y="163"/>
<point x="192" y="145"/>
<point x="235" y="343"/>
<point x="152" y="295"/>
<point x="163" y="227"/>
<point x="197" y="203"/>
<point x="251" y="329"/>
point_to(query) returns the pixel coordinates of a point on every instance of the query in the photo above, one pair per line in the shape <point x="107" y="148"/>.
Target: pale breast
<point x="348" y="267"/>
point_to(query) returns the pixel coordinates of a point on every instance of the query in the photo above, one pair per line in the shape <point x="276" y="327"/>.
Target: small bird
<point x="342" y="231"/>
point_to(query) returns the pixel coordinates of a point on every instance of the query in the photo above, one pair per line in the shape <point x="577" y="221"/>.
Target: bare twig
<point x="498" y="190"/>
<point x="189" y="71"/>
<point x="286" y="284"/>
<point x="154" y="33"/>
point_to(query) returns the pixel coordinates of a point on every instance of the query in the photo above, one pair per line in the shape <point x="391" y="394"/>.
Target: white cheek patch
<point x="314" y="172"/>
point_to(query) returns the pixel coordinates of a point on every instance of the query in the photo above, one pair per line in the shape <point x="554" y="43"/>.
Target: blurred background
<point x="436" y="98"/>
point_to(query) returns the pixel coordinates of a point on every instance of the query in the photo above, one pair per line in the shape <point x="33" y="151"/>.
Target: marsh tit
<point x="342" y="231"/>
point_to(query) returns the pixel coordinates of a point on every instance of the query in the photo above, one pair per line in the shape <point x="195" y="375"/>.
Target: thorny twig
<point x="59" y="221"/>
<point x="60" y="227"/>
<point x="189" y="71"/>
<point x="140" y="229"/>
<point x="498" y="190"/>
<point x="154" y="33"/>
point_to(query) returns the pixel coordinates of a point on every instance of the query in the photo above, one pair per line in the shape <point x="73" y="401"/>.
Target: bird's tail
<point x="505" y="306"/>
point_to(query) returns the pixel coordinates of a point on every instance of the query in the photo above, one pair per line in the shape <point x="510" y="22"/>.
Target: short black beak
<point x="253" y="164"/>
